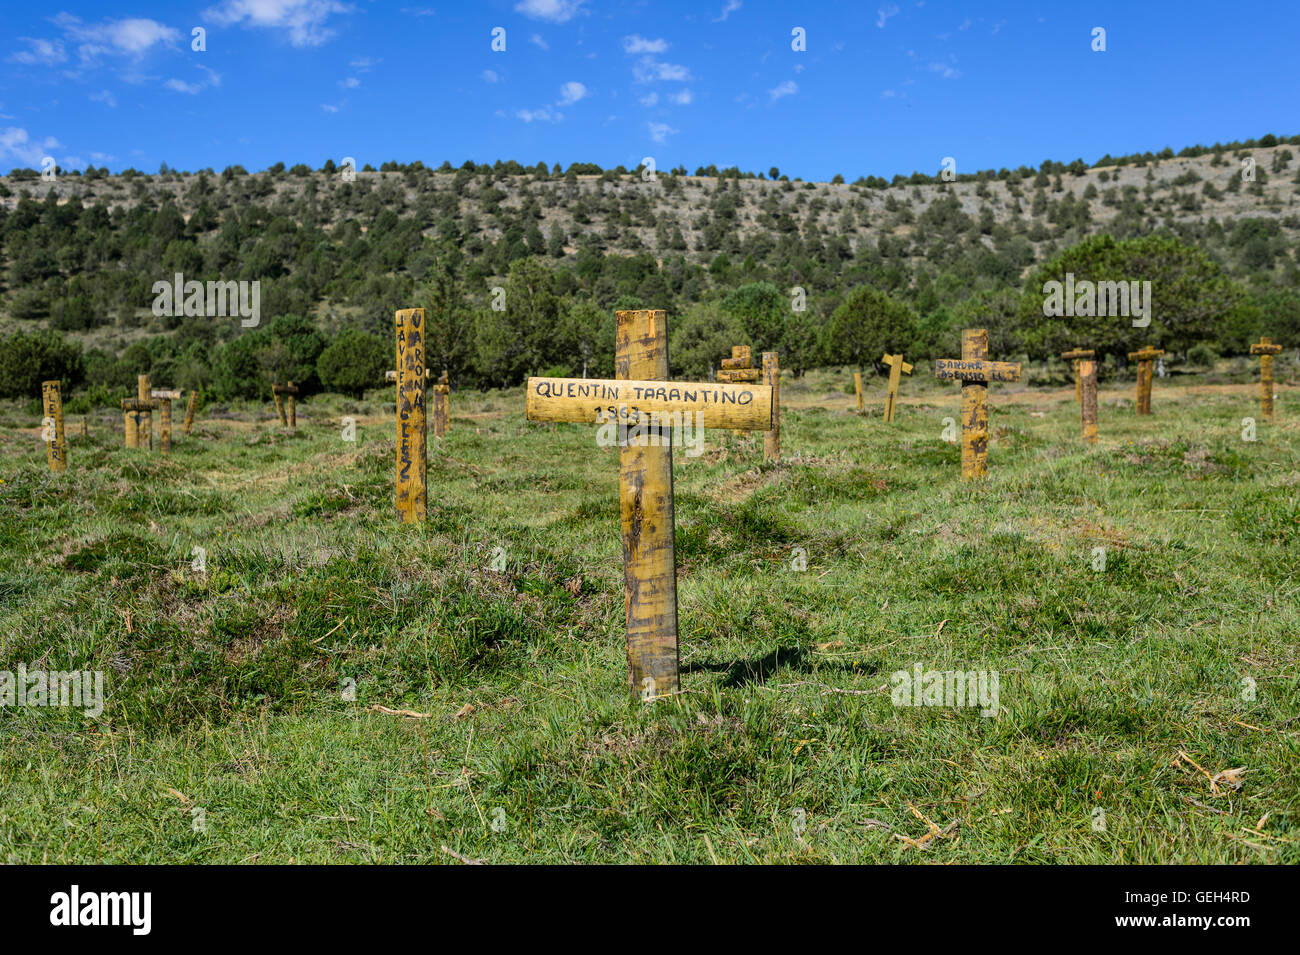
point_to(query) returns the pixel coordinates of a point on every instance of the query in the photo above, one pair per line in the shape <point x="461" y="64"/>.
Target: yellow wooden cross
<point x="639" y="399"/>
<point x="897" y="367"/>
<point x="286" y="389"/>
<point x="1145" y="358"/>
<point x="163" y="399"/>
<point x="975" y="371"/>
<point x="1265" y="349"/>
<point x="138" y="417"/>
<point x="1088" y="400"/>
<point x="1075" y="356"/>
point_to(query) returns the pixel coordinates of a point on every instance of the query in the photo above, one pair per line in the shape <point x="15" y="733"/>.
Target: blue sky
<point x="881" y="88"/>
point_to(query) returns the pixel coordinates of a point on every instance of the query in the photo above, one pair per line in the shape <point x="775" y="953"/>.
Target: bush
<point x="353" y="362"/>
<point x="1202" y="356"/>
<point x="28" y="360"/>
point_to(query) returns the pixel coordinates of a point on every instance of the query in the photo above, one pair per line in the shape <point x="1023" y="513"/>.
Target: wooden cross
<point x="974" y="371"/>
<point x="1088" y="400"/>
<point x="639" y="398"/>
<point x="189" y="411"/>
<point x="56" y="448"/>
<point x="286" y="389"/>
<point x="1144" y="357"/>
<point x="897" y="368"/>
<point x="138" y="418"/>
<point x="1074" y="357"/>
<point x="163" y="399"/>
<point x="738" y="368"/>
<point x="1265" y="349"/>
<point x="412" y="427"/>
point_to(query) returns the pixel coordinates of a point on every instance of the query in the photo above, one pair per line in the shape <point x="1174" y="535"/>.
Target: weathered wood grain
<point x="897" y="368"/>
<point x="772" y="378"/>
<point x="56" y="445"/>
<point x="588" y="400"/>
<point x="1088" y="399"/>
<point x="1265" y="349"/>
<point x="412" y="433"/>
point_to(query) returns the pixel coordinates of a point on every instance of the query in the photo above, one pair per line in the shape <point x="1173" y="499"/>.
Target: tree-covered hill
<point x="733" y="256"/>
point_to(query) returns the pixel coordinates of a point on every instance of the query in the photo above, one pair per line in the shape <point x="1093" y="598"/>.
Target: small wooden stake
<point x="144" y="414"/>
<point x="441" y="403"/>
<point x="412" y="433"/>
<point x="772" y="378"/>
<point x="1265" y="349"/>
<point x="897" y="368"/>
<point x="286" y="389"/>
<point x="1075" y="356"/>
<point x="975" y="372"/>
<point x="857" y="386"/>
<point x="637" y="397"/>
<point x="189" y="411"/>
<point x="1145" y="358"/>
<point x="1088" y="401"/>
<point x="56" y="447"/>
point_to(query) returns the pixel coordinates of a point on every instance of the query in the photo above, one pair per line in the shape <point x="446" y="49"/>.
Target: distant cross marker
<point x="1265" y="349"/>
<point x="975" y="372"/>
<point x="163" y="399"/>
<point x="1145" y="357"/>
<point x="897" y="368"/>
<point x="189" y="412"/>
<point x="56" y="446"/>
<point x="1088" y="401"/>
<point x="1075" y="356"/>
<point x="639" y="397"/>
<point x="137" y="421"/>
<point x="286" y="389"/>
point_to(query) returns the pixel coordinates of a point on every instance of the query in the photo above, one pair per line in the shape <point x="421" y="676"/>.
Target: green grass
<point x="225" y="689"/>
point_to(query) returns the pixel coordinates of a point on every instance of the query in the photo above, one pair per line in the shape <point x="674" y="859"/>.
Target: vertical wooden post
<point x="772" y="378"/>
<point x="130" y="427"/>
<point x="1088" y="400"/>
<point x="279" y="406"/>
<point x="189" y="411"/>
<point x="144" y="418"/>
<point x="165" y="425"/>
<point x="897" y="368"/>
<point x="56" y="448"/>
<point x="857" y="385"/>
<point x="412" y="434"/>
<point x="646" y="509"/>
<point x="974" y="407"/>
<point x="293" y="414"/>
<point x="1265" y="349"/>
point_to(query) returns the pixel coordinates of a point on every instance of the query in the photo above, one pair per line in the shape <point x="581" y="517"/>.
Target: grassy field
<point x="230" y="732"/>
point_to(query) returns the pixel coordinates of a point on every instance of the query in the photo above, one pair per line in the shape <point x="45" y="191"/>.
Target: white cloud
<point x="103" y="157"/>
<point x="884" y="13"/>
<point x="683" y="98"/>
<point x="788" y="88"/>
<point x="105" y="97"/>
<point x="133" y="36"/>
<point x="328" y="108"/>
<point x="303" y="20"/>
<point x="649" y="99"/>
<point x="731" y="7"/>
<point x="660" y="132"/>
<point x="364" y="64"/>
<point x="650" y="70"/>
<point x="490" y="76"/>
<point x="639" y="44"/>
<point x="40" y="52"/>
<point x="350" y="83"/>
<point x="571" y="92"/>
<point x="536" y="40"/>
<point x="543" y="115"/>
<point x="180" y="86"/>
<point x="887" y="94"/>
<point x="553" y="11"/>
<point x="17" y="146"/>
<point x="945" y="71"/>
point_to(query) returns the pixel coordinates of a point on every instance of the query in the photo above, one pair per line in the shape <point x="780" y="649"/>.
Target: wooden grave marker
<point x="163" y="398"/>
<point x="56" y="445"/>
<point x="190" y="407"/>
<point x="137" y="418"/>
<point x="286" y="389"/>
<point x="441" y="405"/>
<point x="857" y="386"/>
<point x="1088" y="401"/>
<point x="897" y="368"/>
<point x="1145" y="357"/>
<point x="1265" y="349"/>
<point x="772" y="378"/>
<point x="1075" y="356"/>
<point x="412" y="428"/>
<point x="639" y="399"/>
<point x="737" y="369"/>
<point x="975" y="371"/>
